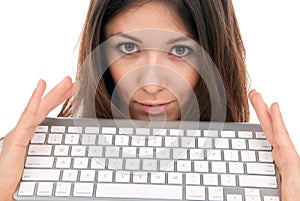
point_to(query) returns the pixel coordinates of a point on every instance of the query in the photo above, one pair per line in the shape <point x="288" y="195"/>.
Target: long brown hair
<point x="213" y="24"/>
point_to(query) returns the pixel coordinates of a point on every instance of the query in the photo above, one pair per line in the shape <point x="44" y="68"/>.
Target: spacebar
<point x="139" y="191"/>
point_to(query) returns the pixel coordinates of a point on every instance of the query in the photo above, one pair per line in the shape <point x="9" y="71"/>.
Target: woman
<point x="116" y="36"/>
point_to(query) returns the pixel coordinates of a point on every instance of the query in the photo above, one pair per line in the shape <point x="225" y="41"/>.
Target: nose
<point x="152" y="77"/>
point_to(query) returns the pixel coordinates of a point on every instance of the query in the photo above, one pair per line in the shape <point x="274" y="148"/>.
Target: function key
<point x="109" y="130"/>
<point x="126" y="131"/>
<point x="73" y="129"/>
<point x="176" y="132"/>
<point x="210" y="133"/>
<point x="41" y="129"/>
<point x="260" y="135"/>
<point x="229" y="134"/>
<point x="192" y="133"/>
<point x="245" y="134"/>
<point x="92" y="130"/>
<point x="57" y="129"/>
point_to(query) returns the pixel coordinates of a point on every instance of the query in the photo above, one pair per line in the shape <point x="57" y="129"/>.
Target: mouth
<point x="155" y="108"/>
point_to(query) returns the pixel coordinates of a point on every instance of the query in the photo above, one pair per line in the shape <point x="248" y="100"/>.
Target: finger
<point x="55" y="96"/>
<point x="263" y="114"/>
<point x="72" y="90"/>
<point x="283" y="139"/>
<point x="27" y="118"/>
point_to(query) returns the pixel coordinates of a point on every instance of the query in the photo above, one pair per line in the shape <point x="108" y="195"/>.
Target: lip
<point x="154" y="108"/>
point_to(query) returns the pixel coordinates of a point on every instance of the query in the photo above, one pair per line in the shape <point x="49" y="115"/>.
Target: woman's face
<point x="148" y="51"/>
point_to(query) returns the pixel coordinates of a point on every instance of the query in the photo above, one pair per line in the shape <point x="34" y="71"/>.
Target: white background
<point x="38" y="39"/>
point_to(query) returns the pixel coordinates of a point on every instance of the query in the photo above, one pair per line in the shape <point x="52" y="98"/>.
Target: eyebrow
<point x="127" y="36"/>
<point x="183" y="38"/>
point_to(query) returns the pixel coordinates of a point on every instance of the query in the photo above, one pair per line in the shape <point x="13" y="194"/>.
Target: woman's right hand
<point x="13" y="153"/>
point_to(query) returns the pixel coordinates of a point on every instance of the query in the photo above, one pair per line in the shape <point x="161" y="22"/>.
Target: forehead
<point x="153" y="15"/>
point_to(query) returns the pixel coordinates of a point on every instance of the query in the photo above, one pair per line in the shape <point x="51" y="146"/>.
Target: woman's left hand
<point x="284" y="153"/>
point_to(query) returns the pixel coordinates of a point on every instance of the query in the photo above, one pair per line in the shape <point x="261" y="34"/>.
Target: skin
<point x="15" y="143"/>
<point x="153" y="72"/>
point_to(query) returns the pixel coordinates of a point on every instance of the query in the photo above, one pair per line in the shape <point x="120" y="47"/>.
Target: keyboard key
<point x="71" y="139"/>
<point x="121" y="140"/>
<point x="248" y="156"/>
<point x="105" y="140"/>
<point x="140" y="177"/>
<point x="61" y="150"/>
<point x="257" y="181"/>
<point x="245" y="134"/>
<point x="57" y="129"/>
<point x="139" y="191"/>
<point x="129" y="152"/>
<point x="55" y="138"/>
<point x="184" y="166"/>
<point x="271" y="198"/>
<point x="78" y="150"/>
<point x="201" y="166"/>
<point x="73" y="129"/>
<point x="195" y="193"/>
<point x="63" y="162"/>
<point x="204" y="143"/>
<point x="221" y="143"/>
<point x="39" y="162"/>
<point x="38" y="138"/>
<point x="176" y="132"/>
<point x="196" y="154"/>
<point x="260" y="135"/>
<point x="123" y="176"/>
<point x="228" y="134"/>
<point x="215" y="193"/>
<point x="80" y="163"/>
<point x="193" y="133"/>
<point x="261" y="168"/>
<point x="109" y="130"/>
<point x="231" y="155"/>
<point x="234" y="197"/>
<point x="188" y="142"/>
<point x="87" y="175"/>
<point x="163" y="153"/>
<point x="192" y="178"/>
<point x="69" y="175"/>
<point x="158" y="178"/>
<point x="39" y="150"/>
<point x="218" y="167"/>
<point x="88" y="139"/>
<point x="236" y="167"/>
<point x="126" y="131"/>
<point x="264" y="156"/>
<point x="228" y="180"/>
<point x="142" y="131"/>
<point x="238" y="144"/>
<point x="26" y="189"/>
<point x="210" y="133"/>
<point x="105" y="175"/>
<point x="44" y="189"/>
<point x="158" y="131"/>
<point x="112" y="152"/>
<point x="259" y="145"/>
<point x="83" y="189"/>
<point x="41" y="129"/>
<point x="155" y="141"/>
<point x="92" y="130"/>
<point x="210" y="179"/>
<point x="41" y="175"/>
<point x="63" y="189"/>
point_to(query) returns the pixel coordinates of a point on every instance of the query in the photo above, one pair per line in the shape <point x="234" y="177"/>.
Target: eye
<point x="128" y="48"/>
<point x="180" y="51"/>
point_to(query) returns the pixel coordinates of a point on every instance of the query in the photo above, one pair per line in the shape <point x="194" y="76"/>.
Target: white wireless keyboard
<point x="97" y="159"/>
